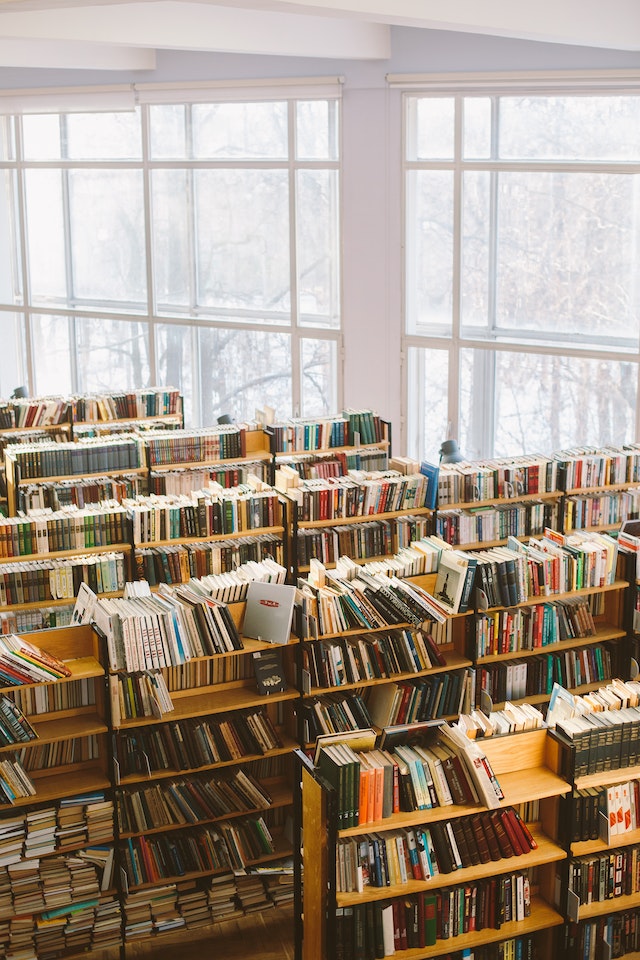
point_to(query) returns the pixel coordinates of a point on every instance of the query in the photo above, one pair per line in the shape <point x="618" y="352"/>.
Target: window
<point x="522" y="289"/>
<point x="186" y="243"/>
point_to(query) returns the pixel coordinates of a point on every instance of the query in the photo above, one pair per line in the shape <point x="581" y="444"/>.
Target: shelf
<point x="207" y="538"/>
<point x="604" y="778"/>
<point x="535" y="783"/>
<point x="61" y="554"/>
<point x="542" y="917"/>
<point x="121" y="472"/>
<point x="260" y="455"/>
<point x="535" y="698"/>
<point x="547" y="852"/>
<point x="281" y="796"/>
<point x="63" y="426"/>
<point x="602" y="488"/>
<point x="288" y="745"/>
<point x="362" y="518"/>
<point x="82" y="668"/>
<point x="51" y="788"/>
<point x="603" y="632"/>
<point x="500" y="501"/>
<point x="582" y="848"/>
<point x="149" y="419"/>
<point x="551" y="597"/>
<point x="65" y="601"/>
<point x="62" y="728"/>
<point x="328" y="451"/>
<point x="208" y="703"/>
<point x="454" y="662"/>
<point x="604" y="907"/>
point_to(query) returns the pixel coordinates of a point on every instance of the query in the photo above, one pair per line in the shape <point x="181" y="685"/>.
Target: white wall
<point x="372" y="239"/>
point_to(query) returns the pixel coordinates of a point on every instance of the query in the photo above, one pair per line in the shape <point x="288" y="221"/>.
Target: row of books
<point x="15" y="784"/>
<point x="515" y="679"/>
<point x="40" y="581"/>
<point x="184" y="481"/>
<point x="231" y="585"/>
<point x="52" y="697"/>
<point x="359" y="541"/>
<point x="138" y="695"/>
<point x="190" y="744"/>
<point x="207" y="672"/>
<point x="488" y="524"/>
<point x="69" y="824"/>
<point x="616" y="935"/>
<point x="604" y="876"/>
<point x="598" y="467"/>
<point x="430" y="766"/>
<point x="529" y="628"/>
<point x="552" y="564"/>
<point x="496" y="479"/>
<point x="601" y="509"/>
<point x="359" y="494"/>
<point x="14" y="725"/>
<point x="30" y="621"/>
<point x="332" y="663"/>
<point x="382" y="928"/>
<point x="102" y="428"/>
<point x="604" y="812"/>
<point x="210" y="512"/>
<point x="367" y="601"/>
<point x="33" y="412"/>
<point x="157" y="631"/>
<point x="318" y="466"/>
<point x="180" y="563"/>
<point x="80" y="492"/>
<point x="134" y="404"/>
<point x="183" y="802"/>
<point x="86" y="925"/>
<point x="59" y="753"/>
<point x="443" y="694"/>
<point x="22" y="661"/>
<point x="222" y="442"/>
<point x="423" y="853"/>
<point x="49" y="531"/>
<point x="231" y="844"/>
<point x="87" y="455"/>
<point x="510" y="719"/>
<point x="354" y="427"/>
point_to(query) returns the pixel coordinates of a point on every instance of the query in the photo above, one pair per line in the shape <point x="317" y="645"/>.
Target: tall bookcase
<point x="527" y="766"/>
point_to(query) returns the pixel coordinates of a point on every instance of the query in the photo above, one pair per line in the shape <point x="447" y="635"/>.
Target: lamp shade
<point x="450" y="452"/>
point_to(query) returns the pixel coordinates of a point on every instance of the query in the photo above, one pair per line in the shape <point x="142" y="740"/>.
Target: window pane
<point x="172" y="229"/>
<point x="241" y="370"/>
<point x="429" y="250"/>
<point x="477" y="128"/>
<point x="319" y="378"/>
<point x="567" y="254"/>
<point x="11" y="291"/>
<point x="546" y="403"/>
<point x="176" y="349"/>
<point x="242" y="235"/>
<point x="12" y="359"/>
<point x="570" y="128"/>
<point x="434" y="119"/>
<point x="108" y="236"/>
<point x="476" y="232"/>
<point x="240" y="131"/>
<point x="167" y="131"/>
<point x="112" y="354"/>
<point x="52" y="347"/>
<point x="317" y="209"/>
<point x="41" y="136"/>
<point x="427" y="406"/>
<point x="45" y="235"/>
<point x="103" y="136"/>
<point x="317" y="130"/>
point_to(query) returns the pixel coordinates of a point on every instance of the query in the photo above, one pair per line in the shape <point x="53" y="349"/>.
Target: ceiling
<point x="125" y="34"/>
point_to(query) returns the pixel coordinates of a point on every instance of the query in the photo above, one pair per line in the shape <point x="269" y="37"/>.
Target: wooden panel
<point x="314" y="895"/>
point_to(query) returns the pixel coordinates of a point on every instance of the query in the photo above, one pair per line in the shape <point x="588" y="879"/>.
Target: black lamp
<point x="450" y="452"/>
<point x="19" y="393"/>
<point x="225" y="418"/>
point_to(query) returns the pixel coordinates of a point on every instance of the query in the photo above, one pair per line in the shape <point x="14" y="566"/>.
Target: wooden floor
<point x="261" y="936"/>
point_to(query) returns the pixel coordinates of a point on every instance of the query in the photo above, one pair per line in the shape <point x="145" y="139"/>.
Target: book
<point x="269" y="612"/>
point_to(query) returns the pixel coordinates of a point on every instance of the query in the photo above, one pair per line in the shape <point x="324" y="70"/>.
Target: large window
<point x="192" y="244"/>
<point x="522" y="270"/>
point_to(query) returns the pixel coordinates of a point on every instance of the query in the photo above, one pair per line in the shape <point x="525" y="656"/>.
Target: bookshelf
<point x="58" y="844"/>
<point x="526" y="766"/>
<point x="204" y="788"/>
<point x="372" y="668"/>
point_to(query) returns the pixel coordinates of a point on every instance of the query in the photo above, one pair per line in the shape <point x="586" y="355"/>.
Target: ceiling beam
<point x="72" y="55"/>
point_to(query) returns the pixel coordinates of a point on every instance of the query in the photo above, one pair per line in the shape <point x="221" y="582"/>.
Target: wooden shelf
<point x="604" y="907"/>
<point x="542" y="917"/>
<point x="603" y="632"/>
<point x="602" y="488"/>
<point x="61" y="728"/>
<point x="328" y="451"/>
<point x="207" y="538"/>
<point x="120" y="472"/>
<point x="454" y="662"/>
<point x="61" y="554"/>
<point x="605" y="778"/>
<point x="547" y="852"/>
<point x="207" y="704"/>
<point x="82" y="668"/>
<point x="552" y="597"/>
<point x="582" y="848"/>
<point x="288" y="744"/>
<point x="65" y="601"/>
<point x="149" y="419"/>
<point x="259" y="455"/>
<point x="281" y="796"/>
<point x="500" y="501"/>
<point x="362" y="518"/>
<point x="50" y="788"/>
